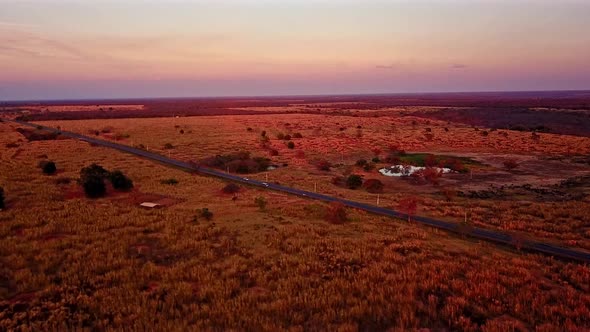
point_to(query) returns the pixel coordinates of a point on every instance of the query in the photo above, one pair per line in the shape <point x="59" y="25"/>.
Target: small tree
<point x="168" y="146"/>
<point x="336" y="213"/>
<point x="2" y="205"/>
<point x="93" y="170"/>
<point x="48" y="167"/>
<point x="432" y="175"/>
<point x="92" y="180"/>
<point x="205" y="213"/>
<point x="260" y="202"/>
<point x="354" y="181"/>
<point x="291" y="145"/>
<point x="408" y="205"/>
<point x="373" y="186"/>
<point x="231" y="188"/>
<point x="94" y="186"/>
<point x="120" y="181"/>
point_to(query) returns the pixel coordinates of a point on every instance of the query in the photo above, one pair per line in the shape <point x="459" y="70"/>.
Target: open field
<point x="560" y="112"/>
<point x="72" y="262"/>
<point x="529" y="200"/>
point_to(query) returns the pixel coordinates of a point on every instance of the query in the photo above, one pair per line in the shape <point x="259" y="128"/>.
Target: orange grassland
<point x="342" y="140"/>
<point x="68" y="262"/>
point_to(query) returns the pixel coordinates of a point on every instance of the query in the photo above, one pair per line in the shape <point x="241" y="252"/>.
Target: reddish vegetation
<point x="408" y="205"/>
<point x="495" y="110"/>
<point x="373" y="186"/>
<point x="336" y="213"/>
<point x="517" y="118"/>
<point x="250" y="268"/>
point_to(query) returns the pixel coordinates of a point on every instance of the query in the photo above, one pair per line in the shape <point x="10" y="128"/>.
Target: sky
<point x="140" y="48"/>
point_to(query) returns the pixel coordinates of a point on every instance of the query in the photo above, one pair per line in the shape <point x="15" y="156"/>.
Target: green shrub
<point x="92" y="180"/>
<point x="94" y="186"/>
<point x="120" y="181"/>
<point x="94" y="170"/>
<point x="354" y="181"/>
<point x="48" y="167"/>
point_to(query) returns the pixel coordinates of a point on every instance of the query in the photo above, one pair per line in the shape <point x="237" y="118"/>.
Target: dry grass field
<point x="543" y="162"/>
<point x="69" y="262"/>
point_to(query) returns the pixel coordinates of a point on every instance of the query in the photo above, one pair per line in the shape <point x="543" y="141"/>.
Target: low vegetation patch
<point x="457" y="164"/>
<point x="239" y="162"/>
<point x="354" y="181"/>
<point x="37" y="134"/>
<point x="170" y="181"/>
<point x="336" y="213"/>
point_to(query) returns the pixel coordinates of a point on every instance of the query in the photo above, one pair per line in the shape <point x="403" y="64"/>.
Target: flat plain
<point x="73" y="262"/>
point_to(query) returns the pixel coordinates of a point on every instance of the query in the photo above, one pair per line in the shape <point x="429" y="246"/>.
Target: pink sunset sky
<point x="119" y="49"/>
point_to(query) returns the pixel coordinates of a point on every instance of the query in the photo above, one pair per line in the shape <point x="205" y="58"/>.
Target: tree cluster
<point x="93" y="180"/>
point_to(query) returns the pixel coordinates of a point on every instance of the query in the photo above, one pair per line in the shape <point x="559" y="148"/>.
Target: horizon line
<point x="352" y="94"/>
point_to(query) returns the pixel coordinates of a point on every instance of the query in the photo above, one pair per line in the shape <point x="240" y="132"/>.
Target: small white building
<point x="149" y="205"/>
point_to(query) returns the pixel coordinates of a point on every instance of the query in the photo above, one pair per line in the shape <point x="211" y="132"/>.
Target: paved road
<point x="479" y="233"/>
